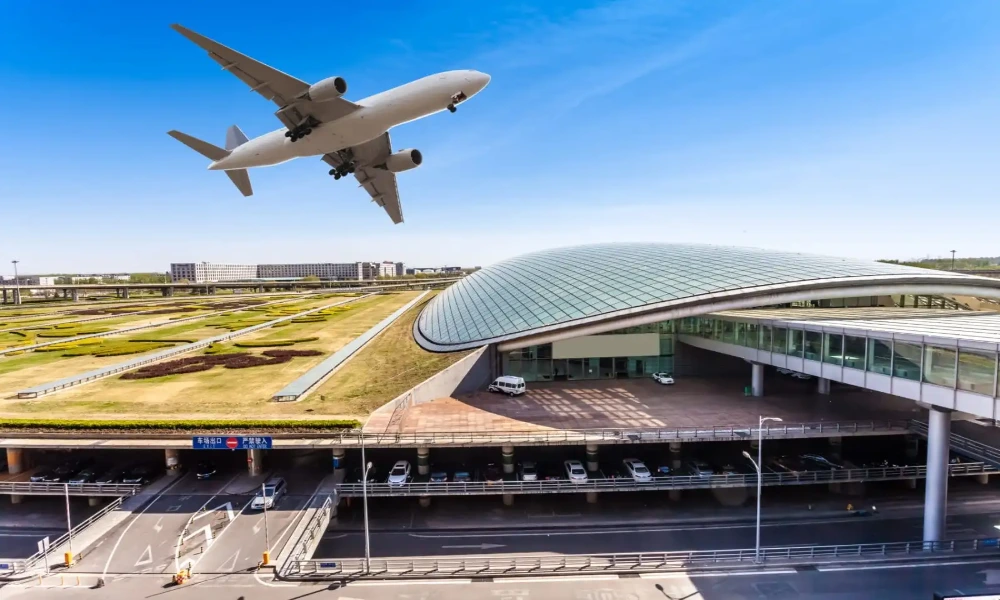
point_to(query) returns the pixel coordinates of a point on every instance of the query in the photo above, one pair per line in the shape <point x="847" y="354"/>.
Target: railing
<point x="28" y="488"/>
<point x="59" y="384"/>
<point x="677" y="482"/>
<point x="313" y="533"/>
<point x="965" y="445"/>
<point x="623" y="563"/>
<point x="9" y="566"/>
<point x="38" y="557"/>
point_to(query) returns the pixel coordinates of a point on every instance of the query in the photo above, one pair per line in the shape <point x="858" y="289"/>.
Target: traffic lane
<point x="863" y="583"/>
<point x="146" y="542"/>
<point x="22" y="542"/>
<point x="241" y="546"/>
<point x="602" y="540"/>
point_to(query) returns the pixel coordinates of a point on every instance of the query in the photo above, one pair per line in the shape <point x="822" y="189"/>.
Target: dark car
<point x="138" y="475"/>
<point x="816" y="462"/>
<point x="111" y="476"/>
<point x="41" y="475"/>
<point x="492" y="474"/>
<point x="462" y="476"/>
<point x="64" y="472"/>
<point x="787" y="464"/>
<point x="206" y="470"/>
<point x="88" y="475"/>
<point x="439" y="476"/>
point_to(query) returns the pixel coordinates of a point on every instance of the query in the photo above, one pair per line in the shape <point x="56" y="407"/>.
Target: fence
<point x="510" y="565"/>
<point x="28" y="488"/>
<point x="965" y="445"/>
<point x="677" y="482"/>
<point x="59" y="384"/>
<point x="39" y="557"/>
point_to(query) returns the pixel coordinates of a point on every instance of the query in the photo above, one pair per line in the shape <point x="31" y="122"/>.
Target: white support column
<point x="15" y="464"/>
<point x="173" y="461"/>
<point x="255" y="462"/>
<point x="757" y="379"/>
<point x="338" y="459"/>
<point x="823" y="386"/>
<point x="936" y="494"/>
<point x="423" y="461"/>
<point x="675" y="465"/>
<point x="592" y="465"/>
<point x="508" y="459"/>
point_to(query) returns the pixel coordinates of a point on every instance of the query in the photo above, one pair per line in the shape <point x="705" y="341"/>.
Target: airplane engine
<point x="330" y="88"/>
<point x="404" y="160"/>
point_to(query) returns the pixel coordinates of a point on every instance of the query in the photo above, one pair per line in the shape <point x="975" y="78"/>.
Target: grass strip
<point x="177" y="425"/>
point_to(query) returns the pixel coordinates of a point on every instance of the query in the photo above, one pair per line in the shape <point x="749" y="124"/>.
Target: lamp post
<point x="760" y="476"/>
<point x="364" y="499"/>
<point x="17" y="284"/>
<point x="267" y="539"/>
<point x="952" y="260"/>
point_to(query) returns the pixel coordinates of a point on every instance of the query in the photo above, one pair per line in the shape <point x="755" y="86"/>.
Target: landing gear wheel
<point x="350" y="169"/>
<point x="336" y="176"/>
<point x="288" y="134"/>
<point x="294" y="138"/>
<point x="451" y="108"/>
<point x="306" y="132"/>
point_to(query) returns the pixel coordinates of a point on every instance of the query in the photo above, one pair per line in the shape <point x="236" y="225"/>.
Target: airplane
<point x="351" y="137"/>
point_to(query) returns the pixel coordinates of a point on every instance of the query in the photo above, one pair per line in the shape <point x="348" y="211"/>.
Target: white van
<point x="508" y="384"/>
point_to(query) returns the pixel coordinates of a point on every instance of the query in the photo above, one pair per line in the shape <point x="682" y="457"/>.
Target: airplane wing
<point x="377" y="181"/>
<point x="282" y="89"/>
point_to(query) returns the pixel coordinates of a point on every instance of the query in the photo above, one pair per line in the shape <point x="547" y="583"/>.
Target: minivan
<point x="266" y="498"/>
<point x="508" y="384"/>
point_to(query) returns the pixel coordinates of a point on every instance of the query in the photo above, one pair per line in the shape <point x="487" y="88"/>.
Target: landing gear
<point x="451" y="108"/>
<point x="343" y="170"/>
<point x="455" y="99"/>
<point x="302" y="129"/>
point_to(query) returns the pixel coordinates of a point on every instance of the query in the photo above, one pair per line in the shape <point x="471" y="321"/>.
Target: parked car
<point x="803" y="376"/>
<point x="663" y="378"/>
<point x="112" y="476"/>
<point x="699" y="468"/>
<point x="41" y="475"/>
<point x="88" y="475"/>
<point x="819" y="462"/>
<point x="463" y="476"/>
<point x="575" y="471"/>
<point x="138" y="475"/>
<point x="508" y="384"/>
<point x="527" y="471"/>
<point x="728" y="469"/>
<point x="787" y="464"/>
<point x="439" y="476"/>
<point x="492" y="474"/>
<point x="400" y="473"/>
<point x="784" y="371"/>
<point x="636" y="469"/>
<point x="64" y="472"/>
<point x="272" y="491"/>
<point x="663" y="471"/>
<point x="206" y="470"/>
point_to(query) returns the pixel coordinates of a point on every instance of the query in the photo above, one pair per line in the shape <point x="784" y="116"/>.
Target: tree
<point x="310" y="278"/>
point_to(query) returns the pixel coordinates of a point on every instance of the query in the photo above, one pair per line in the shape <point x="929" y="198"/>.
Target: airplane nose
<point x="480" y="80"/>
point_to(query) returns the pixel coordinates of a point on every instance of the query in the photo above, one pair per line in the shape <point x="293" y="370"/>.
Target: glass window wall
<point x="765" y="336"/>
<point x="854" y="352"/>
<point x="939" y="365"/>
<point x="833" y="348"/>
<point x="814" y="345"/>
<point x="741" y="334"/>
<point x="795" y="343"/>
<point x="752" y="334"/>
<point x="906" y="361"/>
<point x="880" y="356"/>
<point x="779" y="340"/>
<point x="976" y="371"/>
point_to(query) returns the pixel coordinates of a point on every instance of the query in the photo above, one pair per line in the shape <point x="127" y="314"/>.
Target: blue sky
<point x="853" y="128"/>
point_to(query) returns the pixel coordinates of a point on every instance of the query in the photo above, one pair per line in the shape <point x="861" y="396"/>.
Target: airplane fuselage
<point x="378" y="114"/>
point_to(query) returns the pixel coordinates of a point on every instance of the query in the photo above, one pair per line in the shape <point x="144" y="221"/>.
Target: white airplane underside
<point x="351" y="137"/>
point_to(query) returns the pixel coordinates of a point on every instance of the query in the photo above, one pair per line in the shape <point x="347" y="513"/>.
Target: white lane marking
<point x="943" y="563"/>
<point x="411" y="582"/>
<point x="193" y="563"/>
<point x="146" y="557"/>
<point x="107" y="565"/>
<point x="338" y="536"/>
<point x="180" y="536"/>
<point x="206" y="531"/>
<point x="234" y="558"/>
<point x="258" y="525"/>
<point x="555" y="578"/>
<point x="478" y="546"/>
<point x="229" y="511"/>
<point x="716" y="574"/>
<point x="159" y="525"/>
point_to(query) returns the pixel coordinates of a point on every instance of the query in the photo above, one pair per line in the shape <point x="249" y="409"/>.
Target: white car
<point x="400" y="473"/>
<point x="801" y="376"/>
<point x="637" y="469"/>
<point x="273" y="490"/>
<point x="575" y="471"/>
<point x="508" y="384"/>
<point x="664" y="378"/>
<point x="528" y="471"/>
<point x="699" y="468"/>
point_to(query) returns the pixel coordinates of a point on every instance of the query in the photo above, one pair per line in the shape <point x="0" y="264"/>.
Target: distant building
<point x="212" y="272"/>
<point x="28" y="280"/>
<point x="400" y="269"/>
<point x="435" y="270"/>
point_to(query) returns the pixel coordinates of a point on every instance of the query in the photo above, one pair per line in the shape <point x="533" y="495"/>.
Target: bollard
<point x="68" y="559"/>
<point x="267" y="559"/>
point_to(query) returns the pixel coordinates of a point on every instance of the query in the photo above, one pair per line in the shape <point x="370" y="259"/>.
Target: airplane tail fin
<point x="234" y="138"/>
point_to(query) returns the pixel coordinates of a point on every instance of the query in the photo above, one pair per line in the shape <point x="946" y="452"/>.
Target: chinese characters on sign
<point x="231" y="442"/>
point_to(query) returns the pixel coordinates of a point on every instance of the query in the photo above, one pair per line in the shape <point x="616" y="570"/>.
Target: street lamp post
<point x="952" y="260"/>
<point x="760" y="476"/>
<point x="364" y="499"/>
<point x="267" y="539"/>
<point x="17" y="284"/>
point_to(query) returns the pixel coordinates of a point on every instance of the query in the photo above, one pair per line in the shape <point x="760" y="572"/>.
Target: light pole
<point x="69" y="528"/>
<point x="760" y="476"/>
<point x="267" y="542"/>
<point x="17" y="284"/>
<point x="952" y="260"/>
<point x="364" y="500"/>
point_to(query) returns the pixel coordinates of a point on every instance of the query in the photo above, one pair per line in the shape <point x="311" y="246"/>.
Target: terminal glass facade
<point x="939" y="365"/>
<point x="538" y="363"/>
<point x="976" y="371"/>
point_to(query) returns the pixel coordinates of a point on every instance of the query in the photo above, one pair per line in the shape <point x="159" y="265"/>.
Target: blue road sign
<point x="231" y="442"/>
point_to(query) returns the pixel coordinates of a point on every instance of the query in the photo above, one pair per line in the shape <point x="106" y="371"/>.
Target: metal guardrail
<point x="28" y="488"/>
<point x="510" y="565"/>
<point x="967" y="446"/>
<point x="310" y="378"/>
<point x="313" y="533"/>
<point x="59" y="384"/>
<point x="54" y="545"/>
<point x="677" y="482"/>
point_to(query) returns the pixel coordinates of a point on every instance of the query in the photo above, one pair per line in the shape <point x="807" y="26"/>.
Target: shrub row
<point x="291" y="353"/>
<point x="164" y="340"/>
<point x="266" y="344"/>
<point x="180" y="425"/>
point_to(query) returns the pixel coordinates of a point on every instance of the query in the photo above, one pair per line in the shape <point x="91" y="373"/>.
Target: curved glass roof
<point x="564" y="285"/>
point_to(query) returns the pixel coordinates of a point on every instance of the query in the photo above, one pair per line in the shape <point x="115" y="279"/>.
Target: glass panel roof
<point x="562" y="285"/>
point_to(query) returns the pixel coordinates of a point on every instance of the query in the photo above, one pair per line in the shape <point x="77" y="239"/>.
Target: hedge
<point x="179" y="425"/>
<point x="164" y="340"/>
<point x="273" y="343"/>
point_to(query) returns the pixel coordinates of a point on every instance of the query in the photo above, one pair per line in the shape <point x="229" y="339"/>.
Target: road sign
<point x="231" y="442"/>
